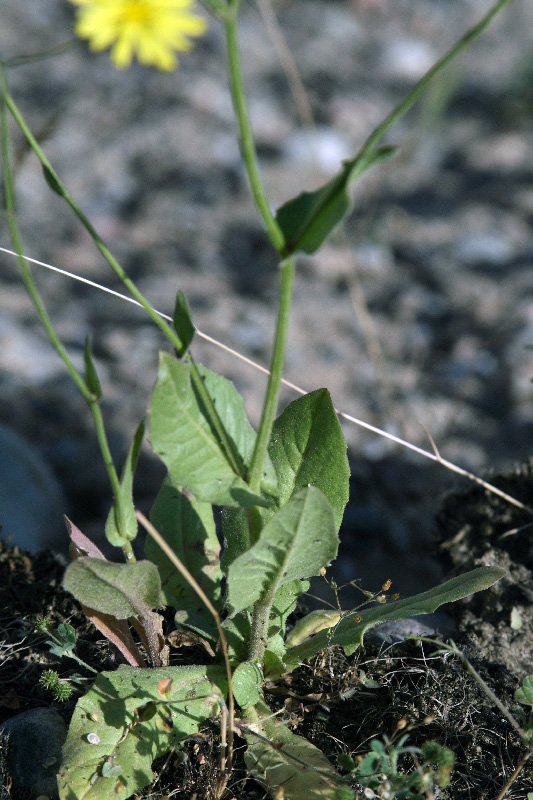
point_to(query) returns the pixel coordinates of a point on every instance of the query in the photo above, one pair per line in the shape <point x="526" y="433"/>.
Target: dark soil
<point x="415" y="689"/>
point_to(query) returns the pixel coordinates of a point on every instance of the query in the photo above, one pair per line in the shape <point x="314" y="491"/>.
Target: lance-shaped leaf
<point x="297" y="542"/>
<point x="121" y="590"/>
<point x="308" y="448"/>
<point x="349" y="631"/>
<point x="307" y="220"/>
<point x="188" y="527"/>
<point x="129" y="718"/>
<point x="118" y="536"/>
<point x="181" y="434"/>
<point x="281" y="758"/>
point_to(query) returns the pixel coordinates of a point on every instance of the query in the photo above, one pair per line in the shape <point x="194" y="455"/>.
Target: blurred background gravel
<point x="417" y="315"/>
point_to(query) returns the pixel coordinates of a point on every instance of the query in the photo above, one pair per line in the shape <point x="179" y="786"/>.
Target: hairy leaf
<point x="182" y="436"/>
<point x="121" y="590"/>
<point x="246" y="681"/>
<point x="295" y="543"/>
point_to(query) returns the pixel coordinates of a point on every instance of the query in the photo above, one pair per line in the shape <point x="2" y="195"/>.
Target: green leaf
<point x="350" y="630"/>
<point x="91" y="376"/>
<point x="115" y="535"/>
<point x="188" y="527"/>
<point x="524" y="695"/>
<point x="308" y="448"/>
<point x="52" y="180"/>
<point x="121" y="590"/>
<point x="183" y="324"/>
<point x="247" y="680"/>
<point x="295" y="543"/>
<point x="182" y="436"/>
<point x="307" y="220"/>
<point x="129" y="718"/>
<point x="293" y="762"/>
<point x="230" y="408"/>
<point x="283" y="605"/>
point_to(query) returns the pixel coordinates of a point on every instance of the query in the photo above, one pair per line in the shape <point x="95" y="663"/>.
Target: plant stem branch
<point x="378" y="133"/>
<point x="276" y="370"/>
<point x="55" y="183"/>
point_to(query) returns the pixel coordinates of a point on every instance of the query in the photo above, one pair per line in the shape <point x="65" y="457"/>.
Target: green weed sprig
<point x="283" y="490"/>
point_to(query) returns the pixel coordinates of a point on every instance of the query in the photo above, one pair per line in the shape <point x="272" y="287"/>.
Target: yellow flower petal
<point x="150" y="30"/>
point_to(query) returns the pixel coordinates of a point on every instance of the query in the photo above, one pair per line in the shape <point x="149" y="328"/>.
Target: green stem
<point x="42" y="55"/>
<point x="9" y="191"/>
<point x="276" y="370"/>
<point x="378" y="133"/>
<point x="259" y="628"/>
<point x="56" y="185"/>
<point x="245" y="132"/>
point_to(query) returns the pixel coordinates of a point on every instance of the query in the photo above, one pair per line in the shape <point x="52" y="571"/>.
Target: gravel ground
<point x="417" y="315"/>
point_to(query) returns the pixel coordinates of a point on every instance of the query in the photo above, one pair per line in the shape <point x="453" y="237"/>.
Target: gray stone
<point x="31" y="500"/>
<point x="34" y="741"/>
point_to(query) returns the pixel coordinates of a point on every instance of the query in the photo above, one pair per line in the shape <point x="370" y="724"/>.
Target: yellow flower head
<point x="152" y="30"/>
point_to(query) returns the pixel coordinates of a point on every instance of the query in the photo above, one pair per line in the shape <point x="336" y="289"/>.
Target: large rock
<point x="34" y="741"/>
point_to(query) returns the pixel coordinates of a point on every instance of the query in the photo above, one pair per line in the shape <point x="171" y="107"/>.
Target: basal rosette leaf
<point x="296" y="543"/>
<point x="350" y="629"/>
<point x="246" y="682"/>
<point x="121" y="590"/>
<point x="129" y="718"/>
